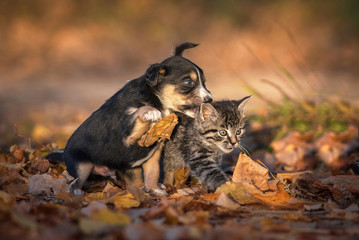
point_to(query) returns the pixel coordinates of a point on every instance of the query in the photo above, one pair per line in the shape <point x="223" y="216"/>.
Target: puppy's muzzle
<point x="208" y="99"/>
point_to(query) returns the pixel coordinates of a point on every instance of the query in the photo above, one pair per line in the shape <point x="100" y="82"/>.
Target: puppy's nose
<point x="208" y="99"/>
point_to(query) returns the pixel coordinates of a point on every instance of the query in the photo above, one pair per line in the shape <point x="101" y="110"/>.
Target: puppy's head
<point x="178" y="83"/>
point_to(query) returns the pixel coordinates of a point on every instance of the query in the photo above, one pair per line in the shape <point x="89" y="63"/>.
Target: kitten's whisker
<point x="244" y="150"/>
<point x="244" y="145"/>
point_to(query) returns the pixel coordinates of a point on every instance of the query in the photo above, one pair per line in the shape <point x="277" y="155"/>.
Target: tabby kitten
<point x="200" y="143"/>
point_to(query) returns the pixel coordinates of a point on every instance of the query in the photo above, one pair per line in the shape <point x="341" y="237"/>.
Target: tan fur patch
<point x="131" y="110"/>
<point x="139" y="129"/>
<point x="193" y="76"/>
<point x="171" y="99"/>
<point x="151" y="169"/>
<point x="162" y="71"/>
<point x="133" y="177"/>
<point x="83" y="171"/>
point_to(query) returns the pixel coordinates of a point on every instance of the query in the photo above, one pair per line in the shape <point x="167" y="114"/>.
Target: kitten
<point x="200" y="143"/>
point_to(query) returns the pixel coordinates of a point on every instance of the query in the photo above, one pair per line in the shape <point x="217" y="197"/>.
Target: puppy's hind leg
<point x="133" y="177"/>
<point x="83" y="171"/>
<point x="151" y="171"/>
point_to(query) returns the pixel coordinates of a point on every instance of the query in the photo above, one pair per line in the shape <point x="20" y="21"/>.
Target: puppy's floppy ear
<point x="180" y="48"/>
<point x="154" y="74"/>
<point x="208" y="113"/>
<point x="242" y="105"/>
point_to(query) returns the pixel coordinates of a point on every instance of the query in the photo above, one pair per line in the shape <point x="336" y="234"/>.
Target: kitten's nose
<point x="232" y="141"/>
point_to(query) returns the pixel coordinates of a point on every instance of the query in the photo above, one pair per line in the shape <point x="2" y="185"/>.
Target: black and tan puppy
<point x="109" y="136"/>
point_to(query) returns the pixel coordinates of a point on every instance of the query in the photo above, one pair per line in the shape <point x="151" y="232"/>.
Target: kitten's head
<point x="222" y="123"/>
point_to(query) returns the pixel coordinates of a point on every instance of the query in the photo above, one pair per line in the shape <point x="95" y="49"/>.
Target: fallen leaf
<point x="19" y="154"/>
<point x="138" y="194"/>
<point x="110" y="190"/>
<point x="90" y="226"/>
<point x="45" y="183"/>
<point x="181" y="176"/>
<point x="241" y="193"/>
<point x="93" y="206"/>
<point x="314" y="207"/>
<point x="251" y="172"/>
<point x="344" y="188"/>
<point x="211" y="197"/>
<point x="281" y="199"/>
<point x="330" y="149"/>
<point x="95" y="196"/>
<point x="194" y="218"/>
<point x="39" y="166"/>
<point x="58" y="170"/>
<point x="109" y="217"/>
<point x="251" y="184"/>
<point x="159" y="131"/>
<point x="225" y="202"/>
<point x="294" y="152"/>
<point x="125" y="200"/>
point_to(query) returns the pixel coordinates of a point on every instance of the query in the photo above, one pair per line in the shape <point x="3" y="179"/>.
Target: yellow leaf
<point x="126" y="200"/>
<point x="112" y="218"/>
<point x="160" y="131"/>
<point x="241" y="193"/>
<point x="95" y="196"/>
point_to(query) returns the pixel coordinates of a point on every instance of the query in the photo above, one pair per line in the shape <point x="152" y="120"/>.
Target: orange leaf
<point x="160" y="131"/>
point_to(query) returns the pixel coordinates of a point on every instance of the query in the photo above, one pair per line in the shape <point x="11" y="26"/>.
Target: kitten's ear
<point x="242" y="105"/>
<point x="207" y="112"/>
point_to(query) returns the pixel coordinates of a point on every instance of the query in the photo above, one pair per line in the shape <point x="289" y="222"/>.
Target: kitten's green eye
<point x="238" y="132"/>
<point x="222" y="132"/>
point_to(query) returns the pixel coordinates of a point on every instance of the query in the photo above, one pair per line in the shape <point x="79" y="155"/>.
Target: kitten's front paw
<point x="149" y="114"/>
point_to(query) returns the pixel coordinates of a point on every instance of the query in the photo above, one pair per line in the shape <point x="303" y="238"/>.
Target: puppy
<point x="109" y="136"/>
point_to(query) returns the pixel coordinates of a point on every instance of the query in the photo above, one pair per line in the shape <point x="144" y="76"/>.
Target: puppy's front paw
<point x="149" y="114"/>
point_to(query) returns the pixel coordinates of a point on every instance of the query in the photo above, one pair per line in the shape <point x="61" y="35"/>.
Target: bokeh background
<point x="60" y="60"/>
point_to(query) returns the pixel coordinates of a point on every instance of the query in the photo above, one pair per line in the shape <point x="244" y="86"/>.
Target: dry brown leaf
<point x="159" y="131"/>
<point x="125" y="200"/>
<point x="211" y="197"/>
<point x="110" y="190"/>
<point x="45" y="183"/>
<point x="251" y="184"/>
<point x="181" y="176"/>
<point x="249" y="171"/>
<point x="225" y="202"/>
<point x="241" y="193"/>
<point x="294" y="152"/>
<point x="344" y="188"/>
<point x="330" y="150"/>
<point x="95" y="196"/>
<point x="281" y="199"/>
<point x="39" y="166"/>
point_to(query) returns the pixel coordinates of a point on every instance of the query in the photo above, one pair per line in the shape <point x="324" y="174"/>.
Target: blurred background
<point x="60" y="60"/>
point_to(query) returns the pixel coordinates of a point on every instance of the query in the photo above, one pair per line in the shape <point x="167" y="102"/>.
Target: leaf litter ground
<point x="262" y="200"/>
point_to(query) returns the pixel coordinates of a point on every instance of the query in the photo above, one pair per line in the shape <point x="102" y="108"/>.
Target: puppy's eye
<point x="239" y="132"/>
<point x="188" y="83"/>
<point x="222" y="132"/>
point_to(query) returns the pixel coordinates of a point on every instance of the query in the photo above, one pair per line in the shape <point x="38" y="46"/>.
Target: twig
<point x="18" y="136"/>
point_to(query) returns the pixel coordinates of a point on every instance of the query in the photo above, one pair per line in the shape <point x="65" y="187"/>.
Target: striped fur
<point x="201" y="142"/>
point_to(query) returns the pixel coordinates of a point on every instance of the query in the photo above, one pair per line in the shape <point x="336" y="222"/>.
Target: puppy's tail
<point x="55" y="157"/>
<point x="180" y="48"/>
